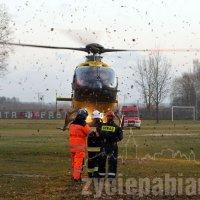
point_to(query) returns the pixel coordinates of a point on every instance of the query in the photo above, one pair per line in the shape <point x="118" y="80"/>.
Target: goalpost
<point x="186" y="107"/>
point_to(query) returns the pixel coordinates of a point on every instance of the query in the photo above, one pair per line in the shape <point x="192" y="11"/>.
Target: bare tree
<point x="145" y="78"/>
<point x="186" y="89"/>
<point x="153" y="80"/>
<point x="177" y="92"/>
<point x="196" y="80"/>
<point x="4" y="38"/>
<point x="183" y="92"/>
<point x="161" y="79"/>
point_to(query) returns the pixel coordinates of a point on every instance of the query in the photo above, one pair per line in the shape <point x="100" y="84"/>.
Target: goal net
<point x="183" y="112"/>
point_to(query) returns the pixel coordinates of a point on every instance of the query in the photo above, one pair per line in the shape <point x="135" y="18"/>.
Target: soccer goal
<point x="192" y="108"/>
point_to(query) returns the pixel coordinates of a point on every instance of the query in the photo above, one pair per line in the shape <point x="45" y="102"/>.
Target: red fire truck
<point x="131" y="116"/>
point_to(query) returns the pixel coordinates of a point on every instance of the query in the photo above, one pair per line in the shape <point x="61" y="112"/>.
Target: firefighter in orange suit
<point x="78" y="132"/>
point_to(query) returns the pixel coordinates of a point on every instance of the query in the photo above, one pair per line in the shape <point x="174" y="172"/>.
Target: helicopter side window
<point x="107" y="77"/>
<point x="80" y="77"/>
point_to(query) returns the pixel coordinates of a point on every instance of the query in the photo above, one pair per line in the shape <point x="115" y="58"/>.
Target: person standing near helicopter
<point x="78" y="132"/>
<point x="111" y="134"/>
<point x="94" y="143"/>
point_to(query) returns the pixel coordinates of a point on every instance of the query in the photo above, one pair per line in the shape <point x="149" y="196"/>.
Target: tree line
<point x="155" y="83"/>
<point x="186" y="89"/>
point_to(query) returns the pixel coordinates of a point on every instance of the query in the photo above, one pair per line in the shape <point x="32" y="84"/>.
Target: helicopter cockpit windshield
<point x="95" y="77"/>
<point x="95" y="83"/>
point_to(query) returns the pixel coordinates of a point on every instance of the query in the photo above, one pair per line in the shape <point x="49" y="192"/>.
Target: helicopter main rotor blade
<point x="168" y="50"/>
<point x="154" y="50"/>
<point x="115" y="50"/>
<point x="96" y="48"/>
<point x="43" y="46"/>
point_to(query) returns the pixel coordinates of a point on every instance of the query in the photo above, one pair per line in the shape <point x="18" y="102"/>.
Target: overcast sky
<point x="112" y="23"/>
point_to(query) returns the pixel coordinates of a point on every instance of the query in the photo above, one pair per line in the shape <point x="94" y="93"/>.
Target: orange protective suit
<point x="77" y="141"/>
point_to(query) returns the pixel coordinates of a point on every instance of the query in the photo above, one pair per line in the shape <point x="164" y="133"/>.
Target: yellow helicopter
<point x="94" y="85"/>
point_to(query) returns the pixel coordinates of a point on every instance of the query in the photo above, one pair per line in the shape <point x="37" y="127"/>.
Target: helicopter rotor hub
<point x="95" y="48"/>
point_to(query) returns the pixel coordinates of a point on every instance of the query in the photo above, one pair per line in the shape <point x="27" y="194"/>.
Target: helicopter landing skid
<point x="61" y="128"/>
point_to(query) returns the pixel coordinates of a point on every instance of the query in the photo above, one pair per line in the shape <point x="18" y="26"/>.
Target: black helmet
<point x="82" y="113"/>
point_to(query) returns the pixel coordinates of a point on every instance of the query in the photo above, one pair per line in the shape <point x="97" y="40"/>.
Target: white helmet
<point x="96" y="115"/>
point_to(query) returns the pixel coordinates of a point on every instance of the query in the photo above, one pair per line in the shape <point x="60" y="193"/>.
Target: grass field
<point x="35" y="159"/>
